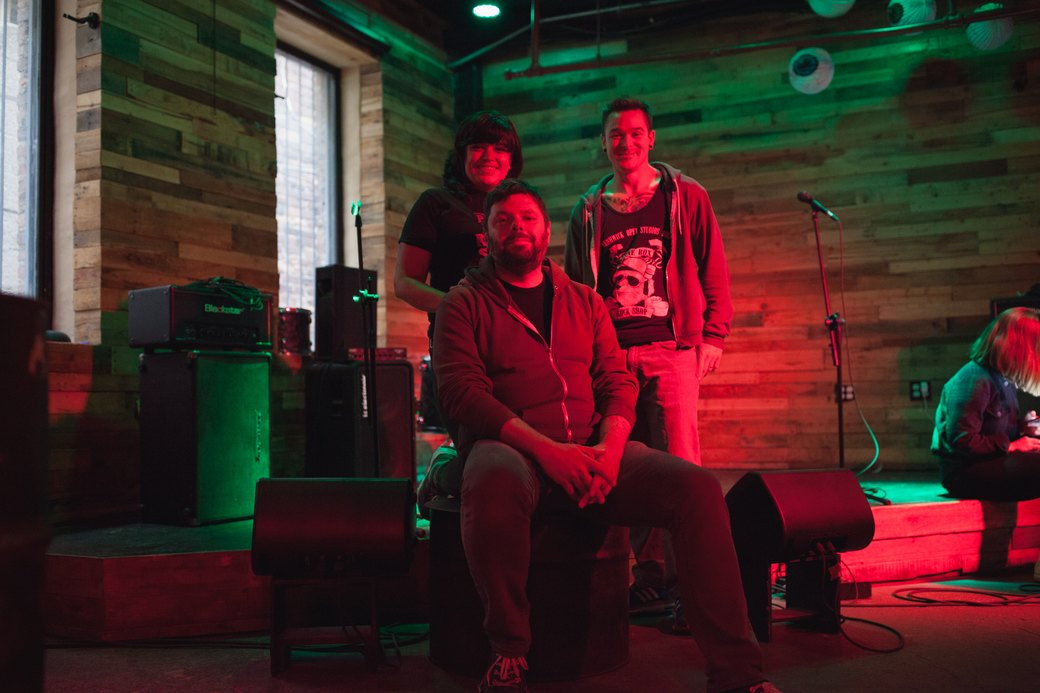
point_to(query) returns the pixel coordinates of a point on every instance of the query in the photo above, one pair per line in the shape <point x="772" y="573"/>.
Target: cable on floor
<point x="917" y="596"/>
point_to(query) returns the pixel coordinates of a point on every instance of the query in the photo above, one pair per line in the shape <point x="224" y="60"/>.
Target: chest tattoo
<point x="626" y="204"/>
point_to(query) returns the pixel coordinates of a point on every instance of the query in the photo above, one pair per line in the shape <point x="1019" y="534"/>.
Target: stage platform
<point x="142" y="581"/>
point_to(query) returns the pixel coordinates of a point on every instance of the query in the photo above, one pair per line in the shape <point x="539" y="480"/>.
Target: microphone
<point x="815" y="204"/>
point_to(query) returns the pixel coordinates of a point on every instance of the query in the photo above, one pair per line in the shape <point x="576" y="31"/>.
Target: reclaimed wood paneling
<point x="926" y="147"/>
<point x="175" y="182"/>
<point x="175" y="150"/>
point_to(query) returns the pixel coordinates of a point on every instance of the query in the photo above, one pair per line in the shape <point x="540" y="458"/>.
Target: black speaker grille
<point x="339" y="439"/>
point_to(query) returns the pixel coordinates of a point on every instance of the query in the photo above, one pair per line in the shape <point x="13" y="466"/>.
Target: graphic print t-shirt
<point x="449" y="225"/>
<point x="634" y="249"/>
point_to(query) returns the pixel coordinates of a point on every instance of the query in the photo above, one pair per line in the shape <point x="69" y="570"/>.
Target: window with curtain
<point x="19" y="147"/>
<point x="306" y="94"/>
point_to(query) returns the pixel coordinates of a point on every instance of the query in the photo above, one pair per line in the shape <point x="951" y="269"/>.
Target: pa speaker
<point x="787" y="514"/>
<point x="24" y="531"/>
<point x="339" y="439"/>
<point x="339" y="320"/>
<point x="1029" y="300"/>
<point x="205" y="435"/>
<point x="802" y="518"/>
<point x="326" y="527"/>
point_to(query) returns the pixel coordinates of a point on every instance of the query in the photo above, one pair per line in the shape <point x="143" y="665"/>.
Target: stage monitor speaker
<point x="205" y="435"/>
<point x="326" y="527"/>
<point x="787" y="514"/>
<point x="349" y="534"/>
<point x="339" y="439"/>
<point x="803" y="519"/>
<point x="338" y="320"/>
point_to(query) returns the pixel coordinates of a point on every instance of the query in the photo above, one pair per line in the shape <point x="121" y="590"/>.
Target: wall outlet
<point x="847" y="393"/>
<point x="920" y="390"/>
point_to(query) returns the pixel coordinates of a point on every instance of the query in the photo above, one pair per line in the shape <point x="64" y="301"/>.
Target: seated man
<point x="528" y="366"/>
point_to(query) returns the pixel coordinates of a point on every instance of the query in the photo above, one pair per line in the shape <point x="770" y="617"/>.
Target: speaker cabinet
<point x="786" y="514"/>
<point x="350" y="536"/>
<point x="339" y="323"/>
<point x="311" y="528"/>
<point x="339" y="436"/>
<point x="205" y="435"/>
<point x="1030" y="300"/>
<point x="24" y="530"/>
<point x="803" y="519"/>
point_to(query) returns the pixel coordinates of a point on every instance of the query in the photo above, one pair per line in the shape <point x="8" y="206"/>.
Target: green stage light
<point x="487" y="10"/>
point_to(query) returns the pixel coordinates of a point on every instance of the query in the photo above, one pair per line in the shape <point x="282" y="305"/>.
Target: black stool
<point x="578" y="587"/>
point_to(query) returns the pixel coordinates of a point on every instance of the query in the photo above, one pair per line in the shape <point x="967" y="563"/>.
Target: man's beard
<point x="514" y="260"/>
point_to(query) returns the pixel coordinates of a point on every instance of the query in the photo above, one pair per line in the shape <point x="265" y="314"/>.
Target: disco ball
<point x="903" y="12"/>
<point x="811" y="70"/>
<point x="831" y="8"/>
<point x="990" y="34"/>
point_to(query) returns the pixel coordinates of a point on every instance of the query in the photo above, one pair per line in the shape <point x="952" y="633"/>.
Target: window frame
<point x="336" y="222"/>
<point x="40" y="244"/>
<point x="45" y="192"/>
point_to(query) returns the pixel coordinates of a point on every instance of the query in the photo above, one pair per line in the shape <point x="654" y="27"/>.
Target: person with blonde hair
<point x="985" y="449"/>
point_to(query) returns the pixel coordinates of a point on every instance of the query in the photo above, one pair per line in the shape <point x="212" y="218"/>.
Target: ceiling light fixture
<point x="487" y="10"/>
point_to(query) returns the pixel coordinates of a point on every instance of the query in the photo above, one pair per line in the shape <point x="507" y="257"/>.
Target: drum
<point x="294" y="331"/>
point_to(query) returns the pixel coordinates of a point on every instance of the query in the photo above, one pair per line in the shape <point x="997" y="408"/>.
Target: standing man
<point x="529" y="367"/>
<point x="645" y="238"/>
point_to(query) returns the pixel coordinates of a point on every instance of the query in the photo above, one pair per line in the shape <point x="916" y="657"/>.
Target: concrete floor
<point x="974" y="649"/>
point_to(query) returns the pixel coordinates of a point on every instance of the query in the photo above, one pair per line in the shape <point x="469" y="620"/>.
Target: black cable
<point x="780" y="587"/>
<point x="406" y="637"/>
<point x="916" y="595"/>
<point x="233" y="289"/>
<point x="888" y="650"/>
<point x="877" y="492"/>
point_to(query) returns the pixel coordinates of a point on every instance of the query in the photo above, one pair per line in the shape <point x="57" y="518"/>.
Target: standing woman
<point x="985" y="450"/>
<point x="443" y="236"/>
<point x="444" y="233"/>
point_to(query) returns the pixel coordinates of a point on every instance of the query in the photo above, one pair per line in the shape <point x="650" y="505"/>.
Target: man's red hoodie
<point x="492" y="364"/>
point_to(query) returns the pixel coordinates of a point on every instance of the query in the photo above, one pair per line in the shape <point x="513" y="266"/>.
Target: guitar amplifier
<point x="217" y="314"/>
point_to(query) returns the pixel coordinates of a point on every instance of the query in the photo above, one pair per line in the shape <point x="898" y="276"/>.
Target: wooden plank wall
<point x="175" y="166"/>
<point x="927" y="148"/>
<point x="177" y="160"/>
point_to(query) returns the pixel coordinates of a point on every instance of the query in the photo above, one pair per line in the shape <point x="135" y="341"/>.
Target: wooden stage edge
<point x="142" y="581"/>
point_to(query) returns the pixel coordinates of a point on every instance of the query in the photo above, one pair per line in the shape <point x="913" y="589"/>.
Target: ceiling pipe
<point x="537" y="70"/>
<point x="557" y="18"/>
<point x="536" y="23"/>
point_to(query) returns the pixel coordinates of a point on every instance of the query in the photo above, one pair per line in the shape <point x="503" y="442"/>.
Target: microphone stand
<point x="834" y="322"/>
<point x="367" y="297"/>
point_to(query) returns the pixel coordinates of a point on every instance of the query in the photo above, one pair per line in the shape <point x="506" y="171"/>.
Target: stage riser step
<point x="921" y="519"/>
<point x="157" y="596"/>
<point x="209" y="592"/>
